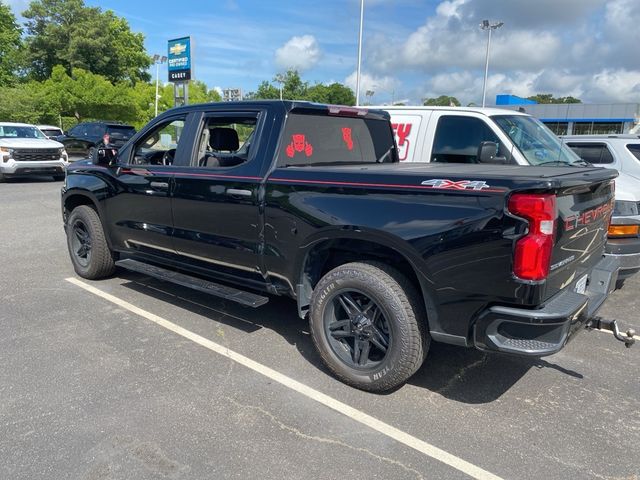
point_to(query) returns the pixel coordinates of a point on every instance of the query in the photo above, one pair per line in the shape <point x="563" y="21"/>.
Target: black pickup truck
<point x="245" y="199"/>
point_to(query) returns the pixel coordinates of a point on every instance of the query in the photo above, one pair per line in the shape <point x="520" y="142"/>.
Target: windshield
<point x="536" y="142"/>
<point x="11" y="131"/>
<point x="49" y="132"/>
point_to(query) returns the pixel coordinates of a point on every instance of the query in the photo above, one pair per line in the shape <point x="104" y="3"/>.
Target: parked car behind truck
<point x="82" y="140"/>
<point x="381" y="257"/>
<point x="455" y="134"/>
<point x="621" y="152"/>
<point x="26" y="151"/>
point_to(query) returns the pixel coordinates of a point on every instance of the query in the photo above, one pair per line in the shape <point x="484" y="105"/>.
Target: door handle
<point x="237" y="192"/>
<point x="160" y="185"/>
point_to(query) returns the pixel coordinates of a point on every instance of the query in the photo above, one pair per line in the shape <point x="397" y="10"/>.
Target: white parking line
<point x="361" y="417"/>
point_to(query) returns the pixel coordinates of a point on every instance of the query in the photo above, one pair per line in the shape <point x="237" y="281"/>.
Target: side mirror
<point x="104" y="156"/>
<point x="488" y="153"/>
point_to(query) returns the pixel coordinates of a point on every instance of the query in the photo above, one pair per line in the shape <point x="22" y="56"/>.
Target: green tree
<point x="85" y="95"/>
<point x="441" y="101"/>
<point x="265" y="91"/>
<point x="293" y="88"/>
<point x="28" y="102"/>
<point x="68" y="33"/>
<point x="335" y="93"/>
<point x="200" y="93"/>
<point x="549" y="98"/>
<point x="10" y="45"/>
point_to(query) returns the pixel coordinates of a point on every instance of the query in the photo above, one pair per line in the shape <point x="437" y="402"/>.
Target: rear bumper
<point x="546" y="330"/>
<point x="627" y="251"/>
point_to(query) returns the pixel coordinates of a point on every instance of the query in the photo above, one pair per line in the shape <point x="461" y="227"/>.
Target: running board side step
<point x="242" y="297"/>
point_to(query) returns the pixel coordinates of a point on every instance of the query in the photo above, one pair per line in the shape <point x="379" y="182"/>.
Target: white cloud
<point x="445" y="41"/>
<point x="299" y="53"/>
<point x="604" y="86"/>
<point x="584" y="48"/>
<point x="381" y="86"/>
<point x="615" y="86"/>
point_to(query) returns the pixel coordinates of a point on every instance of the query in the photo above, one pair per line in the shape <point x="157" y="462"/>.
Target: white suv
<point x="25" y="150"/>
<point x="621" y="152"/>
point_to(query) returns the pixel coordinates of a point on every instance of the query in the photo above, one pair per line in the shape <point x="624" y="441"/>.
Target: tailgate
<point x="581" y="232"/>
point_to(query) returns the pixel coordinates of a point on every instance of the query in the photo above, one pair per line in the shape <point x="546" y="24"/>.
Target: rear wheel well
<point x="333" y="253"/>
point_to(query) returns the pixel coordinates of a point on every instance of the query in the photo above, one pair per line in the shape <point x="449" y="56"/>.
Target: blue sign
<point x="179" y="59"/>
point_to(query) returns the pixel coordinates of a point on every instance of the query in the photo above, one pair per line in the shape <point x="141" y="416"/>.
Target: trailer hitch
<point x="611" y="325"/>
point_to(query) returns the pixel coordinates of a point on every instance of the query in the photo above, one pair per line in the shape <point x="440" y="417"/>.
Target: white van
<point x="462" y="134"/>
<point x="455" y="135"/>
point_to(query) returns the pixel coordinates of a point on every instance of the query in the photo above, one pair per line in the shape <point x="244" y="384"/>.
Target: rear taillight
<point x="106" y="139"/>
<point x="532" y="254"/>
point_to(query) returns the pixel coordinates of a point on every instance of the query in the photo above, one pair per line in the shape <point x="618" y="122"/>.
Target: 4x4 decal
<point x="445" y="184"/>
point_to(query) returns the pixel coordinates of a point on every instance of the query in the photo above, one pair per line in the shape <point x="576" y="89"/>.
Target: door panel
<point x="215" y="207"/>
<point x="140" y="214"/>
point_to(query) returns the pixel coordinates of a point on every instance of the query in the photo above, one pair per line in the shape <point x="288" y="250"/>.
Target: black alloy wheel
<point x="357" y="329"/>
<point x="88" y="247"/>
<point x="81" y="243"/>
<point x="367" y="321"/>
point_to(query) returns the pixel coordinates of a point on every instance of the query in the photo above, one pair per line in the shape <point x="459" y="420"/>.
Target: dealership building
<point x="578" y="118"/>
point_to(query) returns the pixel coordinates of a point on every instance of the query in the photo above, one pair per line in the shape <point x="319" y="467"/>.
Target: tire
<point x="620" y="283"/>
<point x="88" y="248"/>
<point x="2" y="177"/>
<point x="372" y="303"/>
<point x="59" y="178"/>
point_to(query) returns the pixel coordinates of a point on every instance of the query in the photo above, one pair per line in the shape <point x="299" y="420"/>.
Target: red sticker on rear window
<point x="299" y="144"/>
<point x="346" y="136"/>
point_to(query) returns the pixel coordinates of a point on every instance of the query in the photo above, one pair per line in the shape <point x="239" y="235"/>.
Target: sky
<point x="412" y="49"/>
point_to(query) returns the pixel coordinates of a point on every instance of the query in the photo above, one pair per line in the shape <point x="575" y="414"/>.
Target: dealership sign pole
<point x="180" y="68"/>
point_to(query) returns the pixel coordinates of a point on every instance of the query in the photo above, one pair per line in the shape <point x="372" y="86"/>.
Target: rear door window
<point x="226" y="140"/>
<point x="458" y="138"/>
<point x="592" y="152"/>
<point x="314" y="140"/>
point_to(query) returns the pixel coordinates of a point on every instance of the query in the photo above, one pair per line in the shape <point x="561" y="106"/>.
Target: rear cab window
<point x="121" y="133"/>
<point x="634" y="148"/>
<point x="316" y="140"/>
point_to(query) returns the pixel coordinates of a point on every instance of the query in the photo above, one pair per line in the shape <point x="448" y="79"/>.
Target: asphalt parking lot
<point x="91" y="388"/>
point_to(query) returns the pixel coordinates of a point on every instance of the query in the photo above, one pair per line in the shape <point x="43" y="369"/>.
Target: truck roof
<point x="600" y="137"/>
<point x="15" y="124"/>
<point x="488" y="111"/>
<point x="288" y="105"/>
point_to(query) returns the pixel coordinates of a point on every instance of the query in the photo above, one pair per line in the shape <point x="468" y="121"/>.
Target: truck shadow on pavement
<point x="461" y="374"/>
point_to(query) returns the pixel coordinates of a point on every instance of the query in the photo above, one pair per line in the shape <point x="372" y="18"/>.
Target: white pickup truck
<point x="25" y="150"/>
<point x="458" y="134"/>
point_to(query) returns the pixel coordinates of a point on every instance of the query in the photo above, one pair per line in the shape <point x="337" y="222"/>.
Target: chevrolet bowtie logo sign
<point x="178" y="49"/>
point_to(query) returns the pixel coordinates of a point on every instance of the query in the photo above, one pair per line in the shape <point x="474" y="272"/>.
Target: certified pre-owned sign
<point x="179" y="62"/>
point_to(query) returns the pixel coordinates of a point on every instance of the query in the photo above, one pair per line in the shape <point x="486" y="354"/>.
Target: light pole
<point x="157" y="59"/>
<point x="359" y="53"/>
<point x="280" y="78"/>
<point x="485" y="25"/>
